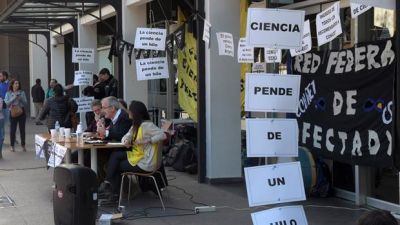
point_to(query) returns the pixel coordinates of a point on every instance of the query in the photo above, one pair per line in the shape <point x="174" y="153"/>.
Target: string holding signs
<point x="272" y="92"/>
<point x="274" y="28"/>
<point x="358" y="9"/>
<point x="387" y="4"/>
<point x="273" y="184"/>
<point x="328" y="24"/>
<point x="83" y="78"/>
<point x="82" y="55"/>
<point x="225" y="44"/>
<point x="272" y="55"/>
<point x="150" y="38"/>
<point x="84" y="104"/>
<point x="245" y="52"/>
<point x="288" y="215"/>
<point x="152" y="68"/>
<point x="306" y="43"/>
<point x="272" y="138"/>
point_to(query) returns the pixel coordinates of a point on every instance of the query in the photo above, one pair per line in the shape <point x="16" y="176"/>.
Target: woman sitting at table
<point x="143" y="139"/>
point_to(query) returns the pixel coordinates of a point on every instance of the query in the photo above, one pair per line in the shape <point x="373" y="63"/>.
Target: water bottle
<point x="57" y="126"/>
<point x="79" y="134"/>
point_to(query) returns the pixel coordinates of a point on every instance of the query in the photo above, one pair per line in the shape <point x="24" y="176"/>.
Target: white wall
<point x="133" y="17"/>
<point x="58" y="63"/>
<point x="37" y="63"/>
<point x="223" y="94"/>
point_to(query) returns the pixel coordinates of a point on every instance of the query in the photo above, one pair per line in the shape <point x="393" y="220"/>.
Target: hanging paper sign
<point x="288" y="215"/>
<point x="83" y="78"/>
<point x="357" y="9"/>
<point x="271" y="184"/>
<point x="152" y="68"/>
<point x="57" y="153"/>
<point x="272" y="55"/>
<point x="82" y="55"/>
<point x="180" y="37"/>
<point x="275" y="28"/>
<point x="259" y="67"/>
<point x="150" y="38"/>
<point x="206" y="31"/>
<point x="306" y="43"/>
<point x="225" y="44"/>
<point x="272" y="138"/>
<point x="272" y="92"/>
<point x="387" y="4"/>
<point x="84" y="104"/>
<point x="245" y="52"/>
<point x="39" y="142"/>
<point x="328" y="24"/>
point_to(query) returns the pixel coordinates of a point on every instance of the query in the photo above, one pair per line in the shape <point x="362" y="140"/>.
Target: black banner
<point x="180" y="36"/>
<point x="346" y="103"/>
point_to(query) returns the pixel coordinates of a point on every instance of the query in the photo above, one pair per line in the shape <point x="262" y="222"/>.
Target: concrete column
<point x="37" y="62"/>
<point x="133" y="16"/>
<point x="57" y="61"/>
<point x="223" y="95"/>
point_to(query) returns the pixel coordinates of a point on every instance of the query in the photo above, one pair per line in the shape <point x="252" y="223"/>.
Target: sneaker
<point x="12" y="149"/>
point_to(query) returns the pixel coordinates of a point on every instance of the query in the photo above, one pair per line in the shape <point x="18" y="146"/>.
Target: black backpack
<point x="323" y="186"/>
<point x="185" y="156"/>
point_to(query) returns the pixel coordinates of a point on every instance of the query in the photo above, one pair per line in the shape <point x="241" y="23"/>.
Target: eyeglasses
<point x="105" y="107"/>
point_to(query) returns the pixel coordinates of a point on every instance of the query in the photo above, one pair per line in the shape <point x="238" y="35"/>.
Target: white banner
<point x="387" y="4"/>
<point x="82" y="55"/>
<point x="272" y="138"/>
<point x="225" y="44"/>
<point x="57" y="153"/>
<point x="328" y="24"/>
<point x="83" y="78"/>
<point x="259" y="67"/>
<point x="206" y="31"/>
<point x="272" y="92"/>
<point x="84" y="104"/>
<point x="357" y="9"/>
<point x="288" y="215"/>
<point x="271" y="184"/>
<point x="275" y="28"/>
<point x="245" y="52"/>
<point x="39" y="142"/>
<point x="272" y="55"/>
<point x="306" y="43"/>
<point x="152" y="68"/>
<point x="150" y="38"/>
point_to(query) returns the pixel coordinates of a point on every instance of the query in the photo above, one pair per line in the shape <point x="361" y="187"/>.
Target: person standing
<point x="50" y="91"/>
<point x="107" y="85"/>
<point x="37" y="93"/>
<point x="1" y="127"/>
<point x="16" y="102"/>
<point x="4" y="85"/>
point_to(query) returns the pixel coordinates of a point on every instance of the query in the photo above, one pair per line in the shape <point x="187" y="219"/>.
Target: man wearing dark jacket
<point x="108" y="85"/>
<point x="37" y="94"/>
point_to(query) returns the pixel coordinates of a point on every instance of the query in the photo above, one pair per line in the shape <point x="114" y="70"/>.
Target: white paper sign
<point x="275" y="28"/>
<point x="206" y="31"/>
<point x="272" y="138"/>
<point x="245" y="52"/>
<point x="276" y="183"/>
<point x="225" y="44"/>
<point x="152" y="68"/>
<point x="259" y="67"/>
<point x="272" y="92"/>
<point x="84" y="104"/>
<point x="306" y="43"/>
<point x="57" y="153"/>
<point x="288" y="215"/>
<point x="357" y="9"/>
<point x="82" y="55"/>
<point x="150" y="38"/>
<point x="272" y="55"/>
<point x="328" y="24"/>
<point x="39" y="142"/>
<point x="387" y="4"/>
<point x="83" y="78"/>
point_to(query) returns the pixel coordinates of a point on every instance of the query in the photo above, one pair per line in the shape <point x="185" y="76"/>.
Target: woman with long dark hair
<point x="143" y="140"/>
<point x="16" y="101"/>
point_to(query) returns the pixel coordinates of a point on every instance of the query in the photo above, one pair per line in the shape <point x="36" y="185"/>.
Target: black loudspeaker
<point x="74" y="195"/>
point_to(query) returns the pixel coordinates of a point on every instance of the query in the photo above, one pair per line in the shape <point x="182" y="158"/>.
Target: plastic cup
<point x="67" y="132"/>
<point x="53" y="133"/>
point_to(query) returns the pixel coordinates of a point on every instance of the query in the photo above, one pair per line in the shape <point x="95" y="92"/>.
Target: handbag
<point x="16" y="111"/>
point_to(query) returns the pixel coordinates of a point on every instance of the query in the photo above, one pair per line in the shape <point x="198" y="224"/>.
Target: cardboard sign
<point x="272" y="138"/>
<point x="259" y="67"/>
<point x="225" y="44"/>
<point x="84" y="104"/>
<point x="306" y="43"/>
<point x="206" y="31"/>
<point x="150" y="38"/>
<point x="271" y="184"/>
<point x="272" y="55"/>
<point x="245" y="52"/>
<point x="83" y="78"/>
<point x="357" y="9"/>
<point x="275" y="28"/>
<point x="57" y="153"/>
<point x="152" y="68"/>
<point x="39" y="142"/>
<point x="328" y="24"/>
<point x="288" y="215"/>
<point x="387" y="4"/>
<point x="272" y="92"/>
<point x="82" y="55"/>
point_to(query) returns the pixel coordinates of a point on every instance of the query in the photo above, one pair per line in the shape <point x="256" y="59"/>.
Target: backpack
<point x="171" y="156"/>
<point x="185" y="156"/>
<point x="323" y="186"/>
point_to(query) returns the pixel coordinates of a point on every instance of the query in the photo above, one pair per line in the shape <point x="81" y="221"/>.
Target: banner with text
<point x="150" y="38"/>
<point x="82" y="55"/>
<point x="328" y="24"/>
<point x="287" y="215"/>
<point x="387" y="4"/>
<point x="346" y="103"/>
<point x="306" y="43"/>
<point x="84" y="104"/>
<point x="83" y="78"/>
<point x="152" y="68"/>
